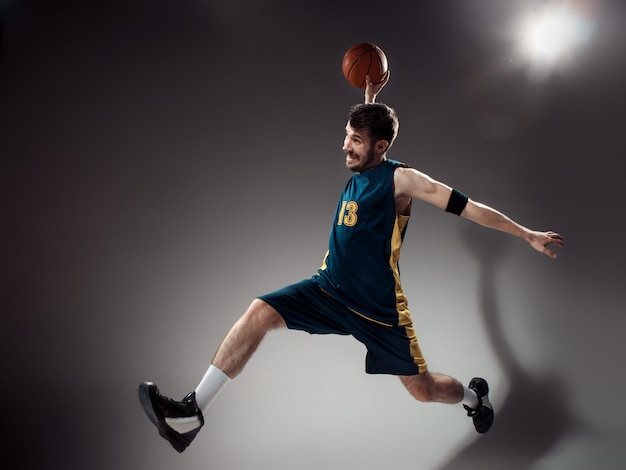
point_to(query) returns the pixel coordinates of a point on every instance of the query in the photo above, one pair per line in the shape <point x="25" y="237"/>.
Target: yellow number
<point x="348" y="214"/>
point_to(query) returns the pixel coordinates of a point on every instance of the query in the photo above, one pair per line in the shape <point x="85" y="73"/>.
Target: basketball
<point x="364" y="59"/>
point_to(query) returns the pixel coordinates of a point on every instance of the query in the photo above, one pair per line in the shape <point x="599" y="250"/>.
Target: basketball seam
<point x="369" y="54"/>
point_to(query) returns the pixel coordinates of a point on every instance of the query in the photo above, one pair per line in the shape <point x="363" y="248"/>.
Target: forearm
<point x="372" y="89"/>
<point x="370" y="95"/>
<point x="493" y="219"/>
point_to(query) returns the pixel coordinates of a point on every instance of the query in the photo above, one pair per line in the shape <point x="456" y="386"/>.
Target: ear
<point x="381" y="146"/>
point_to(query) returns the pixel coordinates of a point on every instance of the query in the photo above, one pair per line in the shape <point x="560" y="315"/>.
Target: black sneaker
<point x="178" y="422"/>
<point x="483" y="415"/>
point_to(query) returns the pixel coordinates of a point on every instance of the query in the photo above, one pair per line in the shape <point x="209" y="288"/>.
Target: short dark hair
<point x="378" y="119"/>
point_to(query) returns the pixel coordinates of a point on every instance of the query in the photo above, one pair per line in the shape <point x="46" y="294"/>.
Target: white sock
<point x="210" y="386"/>
<point x="470" y="398"/>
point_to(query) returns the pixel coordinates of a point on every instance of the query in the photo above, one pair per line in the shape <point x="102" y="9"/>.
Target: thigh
<point x="304" y="306"/>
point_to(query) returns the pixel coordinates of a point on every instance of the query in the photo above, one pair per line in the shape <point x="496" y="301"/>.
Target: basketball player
<point x="357" y="291"/>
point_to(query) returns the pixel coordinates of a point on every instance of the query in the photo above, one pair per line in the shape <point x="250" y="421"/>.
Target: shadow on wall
<point x="534" y="416"/>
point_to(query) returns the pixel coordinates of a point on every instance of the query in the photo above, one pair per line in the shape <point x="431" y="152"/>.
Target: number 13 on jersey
<point x="348" y="213"/>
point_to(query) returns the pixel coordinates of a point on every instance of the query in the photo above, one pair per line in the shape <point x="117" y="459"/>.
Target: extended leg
<point x="236" y="349"/>
<point x="179" y="421"/>
<point x="245" y="336"/>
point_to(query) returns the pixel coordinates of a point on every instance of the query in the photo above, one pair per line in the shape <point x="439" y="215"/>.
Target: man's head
<point x="378" y="119"/>
<point x="370" y="131"/>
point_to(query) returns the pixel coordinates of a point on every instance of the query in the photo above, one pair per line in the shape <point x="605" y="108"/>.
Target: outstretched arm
<point x="410" y="183"/>
<point x="491" y="218"/>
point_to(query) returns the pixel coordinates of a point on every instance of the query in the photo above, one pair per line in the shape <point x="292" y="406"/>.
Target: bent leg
<point x="245" y="336"/>
<point x="429" y="387"/>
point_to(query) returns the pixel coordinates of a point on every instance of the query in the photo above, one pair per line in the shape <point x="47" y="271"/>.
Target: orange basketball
<point x="364" y="59"/>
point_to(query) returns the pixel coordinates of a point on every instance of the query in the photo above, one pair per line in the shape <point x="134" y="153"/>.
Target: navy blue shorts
<point x="390" y="349"/>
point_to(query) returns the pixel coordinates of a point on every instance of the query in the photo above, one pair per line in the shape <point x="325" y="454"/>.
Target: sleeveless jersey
<point x="361" y="266"/>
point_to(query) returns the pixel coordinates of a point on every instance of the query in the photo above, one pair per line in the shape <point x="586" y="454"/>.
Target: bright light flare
<point x="552" y="36"/>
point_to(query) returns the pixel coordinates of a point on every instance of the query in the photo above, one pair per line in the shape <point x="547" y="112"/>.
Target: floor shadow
<point x="534" y="416"/>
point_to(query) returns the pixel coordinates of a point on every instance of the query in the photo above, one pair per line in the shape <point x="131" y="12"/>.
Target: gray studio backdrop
<point x="163" y="162"/>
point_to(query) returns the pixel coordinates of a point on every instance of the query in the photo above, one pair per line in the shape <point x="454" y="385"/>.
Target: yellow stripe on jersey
<point x="416" y="352"/>
<point x="404" y="315"/>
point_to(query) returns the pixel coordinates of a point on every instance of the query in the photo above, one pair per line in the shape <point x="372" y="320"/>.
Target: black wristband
<point x="457" y="202"/>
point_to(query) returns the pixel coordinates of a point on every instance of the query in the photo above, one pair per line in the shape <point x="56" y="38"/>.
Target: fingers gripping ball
<point x="364" y="59"/>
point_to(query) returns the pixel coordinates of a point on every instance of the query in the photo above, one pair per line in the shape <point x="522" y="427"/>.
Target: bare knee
<point x="263" y="315"/>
